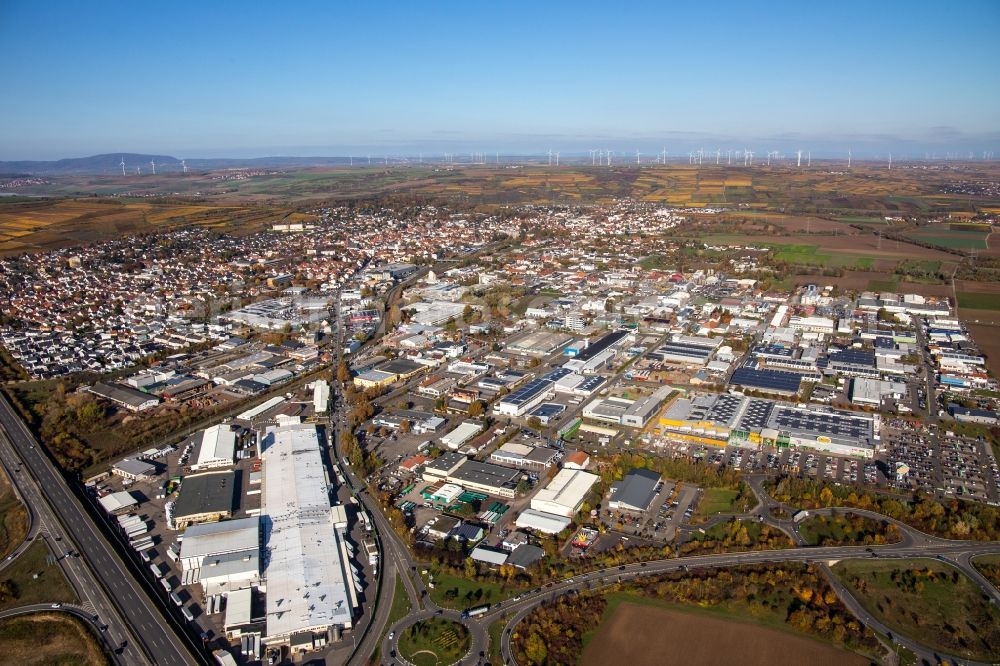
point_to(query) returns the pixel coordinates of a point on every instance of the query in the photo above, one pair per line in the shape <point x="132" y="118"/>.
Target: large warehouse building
<point x="307" y="573"/>
<point x="565" y="493"/>
<point x="743" y="421"/>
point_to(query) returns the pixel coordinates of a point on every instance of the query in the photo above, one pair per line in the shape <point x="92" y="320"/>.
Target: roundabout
<point x="435" y="641"/>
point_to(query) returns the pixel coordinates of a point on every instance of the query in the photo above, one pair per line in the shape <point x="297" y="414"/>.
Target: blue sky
<point x="244" y="79"/>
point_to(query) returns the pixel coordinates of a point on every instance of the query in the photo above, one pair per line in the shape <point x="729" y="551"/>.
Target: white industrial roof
<point x="228" y="536"/>
<point x="542" y="521"/>
<point x="238" y="605"/>
<point x="117" y="501"/>
<point x="261" y="408"/>
<point x="218" y="447"/>
<point x="565" y="492"/>
<point x="460" y="435"/>
<point x="306" y="578"/>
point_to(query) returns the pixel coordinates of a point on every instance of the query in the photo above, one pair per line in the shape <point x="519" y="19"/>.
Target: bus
<point x="475" y="612"/>
<point x="176" y="598"/>
<point x="188" y="615"/>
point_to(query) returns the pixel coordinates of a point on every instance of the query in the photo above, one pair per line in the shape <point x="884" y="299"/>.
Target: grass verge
<point x="18" y="587"/>
<point x="49" y="639"/>
<point x="928" y="601"/>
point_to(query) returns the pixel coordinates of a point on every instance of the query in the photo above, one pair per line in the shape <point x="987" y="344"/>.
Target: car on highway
<point x="56" y="606"/>
<point x="392" y="635"/>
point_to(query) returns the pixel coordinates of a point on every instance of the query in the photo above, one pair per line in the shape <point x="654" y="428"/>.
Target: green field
<point x="461" y="593"/>
<point x="951" y="238"/>
<point x="434" y="642"/>
<point x="400" y="603"/>
<point x="717" y="500"/>
<point x="496" y="630"/>
<point x="50" y="586"/>
<point x="928" y="601"/>
<point x="883" y="285"/>
<point x="978" y="301"/>
<point x="809" y="255"/>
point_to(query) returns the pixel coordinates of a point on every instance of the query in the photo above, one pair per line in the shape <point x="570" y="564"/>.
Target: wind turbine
<point x="153" y="164"/>
<point x="810" y="159"/>
<point x="890" y="161"/>
<point x="848" y="158"/>
<point x="798" y="154"/>
<point x="637" y="153"/>
<point x="184" y="166"/>
<point x="557" y="158"/>
<point x="664" y="158"/>
<point x="718" y="156"/>
<point x="123" y="165"/>
<point x="138" y="171"/>
<point x="750" y="153"/>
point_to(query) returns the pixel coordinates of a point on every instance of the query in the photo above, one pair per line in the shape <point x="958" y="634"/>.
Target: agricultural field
<point x="978" y="301"/>
<point x="953" y="236"/>
<point x="923" y="598"/>
<point x="663" y="629"/>
<point x="53" y="223"/>
<point x="988" y="340"/>
<point x="66" y="641"/>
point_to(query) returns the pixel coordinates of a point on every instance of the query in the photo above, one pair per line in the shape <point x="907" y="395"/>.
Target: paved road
<point x="150" y="628"/>
<point x="45" y="525"/>
<point x="949" y="550"/>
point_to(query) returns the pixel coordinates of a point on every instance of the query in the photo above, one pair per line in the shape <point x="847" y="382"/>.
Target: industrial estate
<point x="303" y="439"/>
<point x="482" y="335"/>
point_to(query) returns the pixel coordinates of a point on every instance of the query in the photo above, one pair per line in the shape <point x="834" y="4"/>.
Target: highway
<point x="136" y="618"/>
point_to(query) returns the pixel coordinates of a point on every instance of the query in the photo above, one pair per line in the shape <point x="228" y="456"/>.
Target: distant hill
<point x="110" y="164"/>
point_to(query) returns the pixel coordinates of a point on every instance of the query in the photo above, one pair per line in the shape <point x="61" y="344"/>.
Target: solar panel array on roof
<point x="548" y="410"/>
<point x="528" y="392"/>
<point x="773" y="350"/>
<point x="684" y="350"/>
<point x="601" y="344"/>
<point x="826" y="423"/>
<point x="756" y="414"/>
<point x="724" y="409"/>
<point x="767" y="380"/>
<point x="853" y="356"/>
<point x="556" y="374"/>
<point x="590" y="383"/>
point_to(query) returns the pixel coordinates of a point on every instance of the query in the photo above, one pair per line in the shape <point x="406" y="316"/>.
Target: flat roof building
<point x="133" y="470"/>
<point x="564" y="494"/>
<point x="541" y="521"/>
<point x="635" y="492"/>
<point x="222" y="538"/>
<point x="487" y="478"/>
<point x="205" y="497"/>
<point x="216" y="449"/>
<point x="309" y="582"/>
